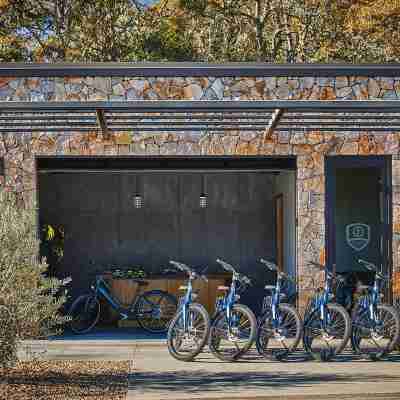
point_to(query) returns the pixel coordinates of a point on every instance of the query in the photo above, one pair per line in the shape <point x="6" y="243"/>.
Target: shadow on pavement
<point x="196" y="381"/>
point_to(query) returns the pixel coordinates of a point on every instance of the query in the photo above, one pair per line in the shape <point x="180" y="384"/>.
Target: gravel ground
<point x="66" y="380"/>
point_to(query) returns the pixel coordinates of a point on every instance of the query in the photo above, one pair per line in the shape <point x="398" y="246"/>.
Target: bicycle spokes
<point x="375" y="338"/>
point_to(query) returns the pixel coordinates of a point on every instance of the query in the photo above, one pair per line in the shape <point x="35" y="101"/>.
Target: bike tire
<point x="155" y="324"/>
<point x="214" y="340"/>
<point x="314" y="317"/>
<point x="172" y="348"/>
<point x="86" y="299"/>
<point x="264" y="329"/>
<point x="359" y="329"/>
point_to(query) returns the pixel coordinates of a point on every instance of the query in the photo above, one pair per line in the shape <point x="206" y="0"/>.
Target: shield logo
<point x="358" y="236"/>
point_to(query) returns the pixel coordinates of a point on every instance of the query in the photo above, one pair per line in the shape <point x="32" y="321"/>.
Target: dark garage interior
<point x="93" y="200"/>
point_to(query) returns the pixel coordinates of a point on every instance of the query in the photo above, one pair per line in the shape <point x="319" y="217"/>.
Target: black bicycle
<point x="376" y="326"/>
<point x="153" y="310"/>
<point x="280" y="326"/>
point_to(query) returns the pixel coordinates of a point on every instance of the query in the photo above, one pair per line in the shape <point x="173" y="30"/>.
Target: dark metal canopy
<point x="189" y="69"/>
<point x="216" y="116"/>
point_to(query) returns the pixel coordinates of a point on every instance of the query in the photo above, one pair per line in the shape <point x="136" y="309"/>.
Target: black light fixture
<point x="137" y="198"/>
<point x="203" y="195"/>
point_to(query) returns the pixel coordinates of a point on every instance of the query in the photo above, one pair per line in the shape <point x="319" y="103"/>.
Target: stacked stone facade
<point x="310" y="148"/>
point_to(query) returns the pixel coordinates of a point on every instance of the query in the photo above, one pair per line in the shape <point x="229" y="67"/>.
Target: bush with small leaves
<point x="30" y="301"/>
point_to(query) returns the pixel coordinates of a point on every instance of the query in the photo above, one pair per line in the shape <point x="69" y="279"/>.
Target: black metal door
<point x="358" y="213"/>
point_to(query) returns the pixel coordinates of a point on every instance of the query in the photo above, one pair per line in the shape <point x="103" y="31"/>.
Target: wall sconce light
<point x="137" y="199"/>
<point x="203" y="196"/>
<point x="203" y="201"/>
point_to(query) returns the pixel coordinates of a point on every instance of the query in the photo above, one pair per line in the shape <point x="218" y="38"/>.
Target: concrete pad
<point x="157" y="376"/>
<point x="100" y="344"/>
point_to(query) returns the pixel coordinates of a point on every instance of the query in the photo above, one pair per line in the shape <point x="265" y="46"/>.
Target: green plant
<point x="52" y="243"/>
<point x="133" y="273"/>
<point x="30" y="300"/>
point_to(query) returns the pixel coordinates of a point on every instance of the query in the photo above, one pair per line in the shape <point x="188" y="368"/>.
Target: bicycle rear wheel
<point x="229" y="346"/>
<point x="154" y="310"/>
<point x="84" y="313"/>
<point x="325" y="342"/>
<point x="278" y="342"/>
<point x="185" y="346"/>
<point x="375" y="341"/>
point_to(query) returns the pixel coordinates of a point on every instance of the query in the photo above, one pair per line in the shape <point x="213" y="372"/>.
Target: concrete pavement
<point x="156" y="376"/>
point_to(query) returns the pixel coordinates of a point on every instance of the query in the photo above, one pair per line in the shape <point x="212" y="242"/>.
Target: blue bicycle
<point x="188" y="331"/>
<point x="280" y="326"/>
<point x="376" y="326"/>
<point x="234" y="326"/>
<point x="327" y="325"/>
<point x="153" y="309"/>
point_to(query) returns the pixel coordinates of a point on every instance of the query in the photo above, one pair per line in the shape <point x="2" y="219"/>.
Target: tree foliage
<point x="207" y="30"/>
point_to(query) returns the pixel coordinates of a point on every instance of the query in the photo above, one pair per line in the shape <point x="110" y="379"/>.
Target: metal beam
<point x="190" y="69"/>
<point x="338" y="129"/>
<point x="206" y="106"/>
<point x="160" y="129"/>
<point x="102" y="121"/>
<point x="276" y="116"/>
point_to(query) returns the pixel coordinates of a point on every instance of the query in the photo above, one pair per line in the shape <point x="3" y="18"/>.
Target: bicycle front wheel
<point x="229" y="343"/>
<point x="84" y="313"/>
<point x="375" y="340"/>
<point x="324" y="340"/>
<point x="154" y="310"/>
<point x="185" y="345"/>
<point x="277" y="342"/>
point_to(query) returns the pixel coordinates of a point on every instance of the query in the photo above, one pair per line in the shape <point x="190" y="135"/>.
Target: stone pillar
<point x="396" y="225"/>
<point x="311" y="222"/>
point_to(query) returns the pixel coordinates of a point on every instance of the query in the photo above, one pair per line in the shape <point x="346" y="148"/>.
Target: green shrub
<point x="30" y="300"/>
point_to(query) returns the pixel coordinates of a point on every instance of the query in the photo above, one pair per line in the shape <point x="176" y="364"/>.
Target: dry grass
<point x="42" y="380"/>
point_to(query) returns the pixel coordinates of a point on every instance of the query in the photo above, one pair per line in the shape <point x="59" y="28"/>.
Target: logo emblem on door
<point x="358" y="236"/>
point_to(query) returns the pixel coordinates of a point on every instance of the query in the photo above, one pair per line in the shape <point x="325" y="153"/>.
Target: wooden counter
<point x="125" y="290"/>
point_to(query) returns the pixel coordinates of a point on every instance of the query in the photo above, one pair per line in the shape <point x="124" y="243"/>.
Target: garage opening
<point x="126" y="212"/>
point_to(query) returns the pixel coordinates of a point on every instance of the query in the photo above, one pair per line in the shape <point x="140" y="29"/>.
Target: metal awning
<point x="203" y="116"/>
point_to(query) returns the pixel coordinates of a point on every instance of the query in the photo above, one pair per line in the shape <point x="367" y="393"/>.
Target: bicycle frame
<point x="228" y="301"/>
<point x="185" y="302"/>
<point x="321" y="300"/>
<point x="276" y="294"/>
<point x="369" y="302"/>
<point x="275" y="301"/>
<point x="101" y="289"/>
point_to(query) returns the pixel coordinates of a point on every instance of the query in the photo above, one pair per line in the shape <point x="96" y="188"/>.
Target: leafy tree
<point x="89" y="30"/>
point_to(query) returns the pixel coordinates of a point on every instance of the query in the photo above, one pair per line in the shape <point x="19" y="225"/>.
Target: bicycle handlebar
<point x="229" y="268"/>
<point x="273" y="267"/>
<point x="373" y="267"/>
<point x="190" y="271"/>
<point x="226" y="266"/>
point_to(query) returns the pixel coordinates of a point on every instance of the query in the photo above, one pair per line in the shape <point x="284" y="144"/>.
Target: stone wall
<point x="19" y="151"/>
